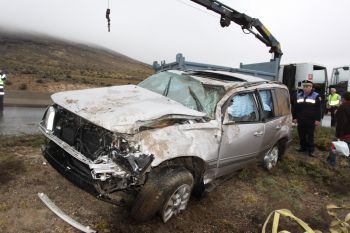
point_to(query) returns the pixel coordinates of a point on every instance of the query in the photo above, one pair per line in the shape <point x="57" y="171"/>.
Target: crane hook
<point x="108" y="12"/>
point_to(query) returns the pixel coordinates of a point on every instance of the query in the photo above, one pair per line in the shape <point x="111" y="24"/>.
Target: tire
<point x="161" y="188"/>
<point x="271" y="157"/>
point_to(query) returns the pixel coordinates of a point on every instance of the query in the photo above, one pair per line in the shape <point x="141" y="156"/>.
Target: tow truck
<point x="266" y="70"/>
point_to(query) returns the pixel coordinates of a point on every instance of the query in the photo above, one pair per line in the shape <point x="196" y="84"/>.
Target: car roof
<point x="220" y="78"/>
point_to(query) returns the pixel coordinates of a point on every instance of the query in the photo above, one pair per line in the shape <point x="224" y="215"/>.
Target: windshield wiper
<point x="166" y="91"/>
<point x="198" y="103"/>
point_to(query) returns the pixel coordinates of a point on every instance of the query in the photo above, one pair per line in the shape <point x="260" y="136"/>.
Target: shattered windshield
<point x="185" y="90"/>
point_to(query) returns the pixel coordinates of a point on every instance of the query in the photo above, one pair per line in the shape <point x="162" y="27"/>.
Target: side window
<point x="283" y="100"/>
<point x="267" y="104"/>
<point x="242" y="108"/>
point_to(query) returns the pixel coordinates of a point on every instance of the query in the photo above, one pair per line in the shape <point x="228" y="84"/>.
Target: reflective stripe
<point x="2" y="93"/>
<point x="310" y="101"/>
<point x="311" y="98"/>
<point x="334" y="102"/>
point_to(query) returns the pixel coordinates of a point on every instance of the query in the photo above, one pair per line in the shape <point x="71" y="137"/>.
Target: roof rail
<point x="265" y="70"/>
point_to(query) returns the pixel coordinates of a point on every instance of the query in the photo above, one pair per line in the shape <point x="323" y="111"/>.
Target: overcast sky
<point x="147" y="30"/>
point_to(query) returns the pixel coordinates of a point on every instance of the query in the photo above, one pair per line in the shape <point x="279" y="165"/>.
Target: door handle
<point x="258" y="133"/>
<point x="278" y="127"/>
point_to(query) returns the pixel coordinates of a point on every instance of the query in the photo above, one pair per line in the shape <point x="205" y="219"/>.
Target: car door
<point x="273" y="122"/>
<point x="242" y="132"/>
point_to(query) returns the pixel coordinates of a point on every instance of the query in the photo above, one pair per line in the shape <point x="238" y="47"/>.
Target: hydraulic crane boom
<point x="247" y="23"/>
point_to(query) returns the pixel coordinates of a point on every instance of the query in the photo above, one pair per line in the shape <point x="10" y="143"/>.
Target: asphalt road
<point x="20" y="120"/>
<point x="326" y="121"/>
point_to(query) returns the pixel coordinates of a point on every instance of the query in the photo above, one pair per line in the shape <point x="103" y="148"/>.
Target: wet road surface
<point x="20" y="120"/>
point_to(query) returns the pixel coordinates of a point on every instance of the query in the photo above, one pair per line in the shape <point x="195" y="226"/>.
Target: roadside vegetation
<point x="45" y="64"/>
<point x="302" y="184"/>
<point x="27" y="140"/>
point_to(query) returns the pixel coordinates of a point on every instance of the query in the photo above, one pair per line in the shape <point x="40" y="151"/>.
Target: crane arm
<point x="247" y="23"/>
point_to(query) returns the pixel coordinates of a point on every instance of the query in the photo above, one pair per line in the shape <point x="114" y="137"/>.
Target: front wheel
<point x="166" y="192"/>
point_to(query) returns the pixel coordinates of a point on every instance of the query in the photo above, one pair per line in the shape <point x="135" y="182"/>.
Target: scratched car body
<point x="169" y="137"/>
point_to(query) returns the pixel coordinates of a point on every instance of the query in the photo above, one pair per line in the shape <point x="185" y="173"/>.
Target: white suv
<point x="168" y="137"/>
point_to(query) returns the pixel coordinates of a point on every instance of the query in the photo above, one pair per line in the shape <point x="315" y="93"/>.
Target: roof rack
<point x="265" y="70"/>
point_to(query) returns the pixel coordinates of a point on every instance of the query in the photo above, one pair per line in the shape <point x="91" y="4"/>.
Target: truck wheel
<point x="271" y="157"/>
<point x="166" y="192"/>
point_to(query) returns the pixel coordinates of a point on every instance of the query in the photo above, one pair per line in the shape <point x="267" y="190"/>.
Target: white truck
<point x="294" y="73"/>
<point x="340" y="79"/>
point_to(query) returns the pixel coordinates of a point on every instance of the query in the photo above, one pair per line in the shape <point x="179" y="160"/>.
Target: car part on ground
<point x="46" y="200"/>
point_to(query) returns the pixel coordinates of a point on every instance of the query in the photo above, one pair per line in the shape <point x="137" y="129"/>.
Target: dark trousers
<point x="306" y="129"/>
<point x="333" y="110"/>
<point x="1" y="103"/>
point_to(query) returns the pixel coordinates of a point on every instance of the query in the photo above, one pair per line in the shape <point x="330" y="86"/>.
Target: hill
<point x="45" y="64"/>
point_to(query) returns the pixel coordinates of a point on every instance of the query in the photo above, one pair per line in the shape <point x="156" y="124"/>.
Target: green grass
<point x="31" y="140"/>
<point x="324" y="137"/>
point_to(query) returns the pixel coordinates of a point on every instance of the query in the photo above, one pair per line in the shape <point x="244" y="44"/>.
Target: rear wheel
<point x="271" y="157"/>
<point x="166" y="192"/>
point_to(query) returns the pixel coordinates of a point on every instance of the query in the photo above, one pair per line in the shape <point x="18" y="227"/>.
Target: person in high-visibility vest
<point x="2" y="91"/>
<point x="333" y="104"/>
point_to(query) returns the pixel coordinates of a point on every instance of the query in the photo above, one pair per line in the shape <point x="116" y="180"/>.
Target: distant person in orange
<point x="2" y="91"/>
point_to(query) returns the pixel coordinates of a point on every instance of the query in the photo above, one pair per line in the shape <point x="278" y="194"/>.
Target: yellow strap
<point x="276" y="220"/>
<point x="267" y="220"/>
<point x="285" y="213"/>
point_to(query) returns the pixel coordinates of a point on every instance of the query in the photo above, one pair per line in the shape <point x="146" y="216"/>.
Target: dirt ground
<point x="240" y="204"/>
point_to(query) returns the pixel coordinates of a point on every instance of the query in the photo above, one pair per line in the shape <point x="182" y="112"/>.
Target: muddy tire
<point x="271" y="157"/>
<point x="160" y="189"/>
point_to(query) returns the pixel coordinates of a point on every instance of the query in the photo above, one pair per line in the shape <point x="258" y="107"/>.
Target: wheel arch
<point x="196" y="165"/>
<point x="282" y="145"/>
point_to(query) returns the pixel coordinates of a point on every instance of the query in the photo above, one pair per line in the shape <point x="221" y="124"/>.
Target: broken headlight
<point x="128" y="155"/>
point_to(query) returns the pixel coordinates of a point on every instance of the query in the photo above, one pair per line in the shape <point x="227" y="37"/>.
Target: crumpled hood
<point x="122" y="109"/>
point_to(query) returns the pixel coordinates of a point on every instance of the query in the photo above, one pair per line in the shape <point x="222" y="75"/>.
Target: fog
<point x="309" y="31"/>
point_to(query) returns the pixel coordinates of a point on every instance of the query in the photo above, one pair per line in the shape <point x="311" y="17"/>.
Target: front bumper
<point x="74" y="170"/>
<point x="100" y="179"/>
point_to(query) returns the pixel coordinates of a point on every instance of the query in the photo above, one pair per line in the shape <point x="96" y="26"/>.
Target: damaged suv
<point x="166" y="138"/>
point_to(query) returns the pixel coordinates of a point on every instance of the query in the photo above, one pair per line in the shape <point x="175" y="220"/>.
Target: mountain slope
<point x="41" y="63"/>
